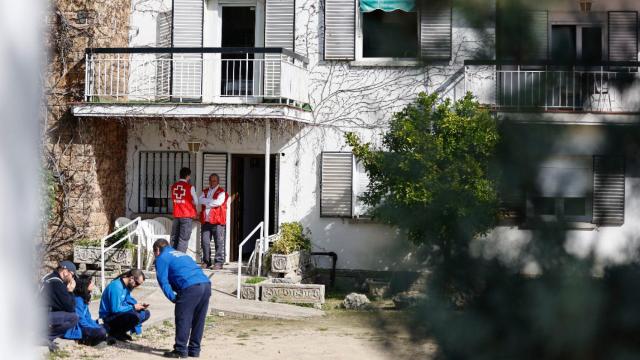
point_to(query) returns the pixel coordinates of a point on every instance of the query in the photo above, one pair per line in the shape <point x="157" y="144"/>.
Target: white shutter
<point x="608" y="190"/>
<point x="339" y="29"/>
<point x="336" y="184"/>
<point x="187" y="32"/>
<point x="361" y="185"/>
<point x="540" y="32"/>
<point x="278" y="32"/>
<point x="623" y="36"/>
<point x="163" y="69"/>
<point x="435" y="29"/>
<point x="214" y="163"/>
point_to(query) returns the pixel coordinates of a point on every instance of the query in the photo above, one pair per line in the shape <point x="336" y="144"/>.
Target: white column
<point x="267" y="160"/>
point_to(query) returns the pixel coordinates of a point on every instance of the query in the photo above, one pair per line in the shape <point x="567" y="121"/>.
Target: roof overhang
<point x="182" y="110"/>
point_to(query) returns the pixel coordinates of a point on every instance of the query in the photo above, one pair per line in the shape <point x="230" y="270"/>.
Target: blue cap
<point x="67" y="265"/>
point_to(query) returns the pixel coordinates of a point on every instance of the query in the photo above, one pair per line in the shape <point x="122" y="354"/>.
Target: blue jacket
<point x="176" y="271"/>
<point x="116" y="298"/>
<point x="82" y="310"/>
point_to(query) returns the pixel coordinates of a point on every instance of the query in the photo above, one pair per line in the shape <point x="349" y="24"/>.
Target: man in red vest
<point x="213" y="216"/>
<point x="185" y="202"/>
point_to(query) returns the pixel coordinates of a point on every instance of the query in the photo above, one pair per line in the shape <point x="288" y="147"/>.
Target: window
<point x="564" y="190"/>
<point x="343" y="181"/>
<point x="389" y="34"/>
<point x="156" y="172"/>
<point x="575" y="42"/>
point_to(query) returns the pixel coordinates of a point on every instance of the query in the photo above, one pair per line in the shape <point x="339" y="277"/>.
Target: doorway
<point x="247" y="183"/>
<point x="238" y="30"/>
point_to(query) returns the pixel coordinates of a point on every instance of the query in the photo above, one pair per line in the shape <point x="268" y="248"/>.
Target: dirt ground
<point x="339" y="335"/>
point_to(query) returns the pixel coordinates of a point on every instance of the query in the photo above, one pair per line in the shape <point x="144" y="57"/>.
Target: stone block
<point x="283" y="264"/>
<point x="293" y="293"/>
<point x="250" y="291"/>
<point x="377" y="289"/>
<point x="113" y="258"/>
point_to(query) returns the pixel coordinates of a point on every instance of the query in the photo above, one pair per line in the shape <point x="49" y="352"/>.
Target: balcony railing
<point x="606" y="87"/>
<point x="208" y="75"/>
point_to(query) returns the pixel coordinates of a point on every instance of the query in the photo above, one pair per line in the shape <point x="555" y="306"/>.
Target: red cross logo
<point x="179" y="192"/>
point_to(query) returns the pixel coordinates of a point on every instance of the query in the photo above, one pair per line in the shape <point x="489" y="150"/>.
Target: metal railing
<point x="148" y="75"/>
<point x="607" y="87"/>
<point x="259" y="247"/>
<point x="127" y="226"/>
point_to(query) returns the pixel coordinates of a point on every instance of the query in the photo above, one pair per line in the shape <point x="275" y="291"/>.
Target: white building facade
<point x="267" y="89"/>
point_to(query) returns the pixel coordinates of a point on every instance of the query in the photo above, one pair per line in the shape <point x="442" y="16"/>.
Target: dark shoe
<point x="194" y="355"/>
<point x="53" y="347"/>
<point x="205" y="265"/>
<point x="122" y="337"/>
<point x="111" y="340"/>
<point x="174" y="355"/>
<point x="217" y="267"/>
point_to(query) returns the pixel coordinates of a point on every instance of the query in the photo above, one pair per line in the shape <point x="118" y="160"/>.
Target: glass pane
<point x="575" y="207"/>
<point x="592" y="45"/>
<point x="544" y="206"/>
<point x="389" y="34"/>
<point x="563" y="43"/>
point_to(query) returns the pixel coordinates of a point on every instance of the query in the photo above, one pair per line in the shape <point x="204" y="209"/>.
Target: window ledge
<point x="532" y="224"/>
<point x="386" y="62"/>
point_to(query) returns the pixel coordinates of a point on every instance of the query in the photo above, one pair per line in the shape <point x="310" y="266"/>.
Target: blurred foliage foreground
<point x="432" y="180"/>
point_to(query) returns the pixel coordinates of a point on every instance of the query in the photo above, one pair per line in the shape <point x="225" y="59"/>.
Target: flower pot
<point x="283" y="264"/>
<point x="113" y="258"/>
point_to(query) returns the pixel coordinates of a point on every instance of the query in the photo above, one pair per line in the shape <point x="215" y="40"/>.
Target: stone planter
<point x="250" y="291"/>
<point x="114" y="258"/>
<point x="377" y="289"/>
<point x="283" y="264"/>
<point x="292" y="293"/>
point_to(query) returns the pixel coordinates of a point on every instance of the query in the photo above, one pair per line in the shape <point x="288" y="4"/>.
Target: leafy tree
<point x="431" y="176"/>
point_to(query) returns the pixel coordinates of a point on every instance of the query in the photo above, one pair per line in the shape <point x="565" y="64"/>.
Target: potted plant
<point x="87" y="251"/>
<point x="290" y="251"/>
<point x="250" y="288"/>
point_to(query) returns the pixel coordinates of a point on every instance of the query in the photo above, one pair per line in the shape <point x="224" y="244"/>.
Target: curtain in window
<point x="387" y="5"/>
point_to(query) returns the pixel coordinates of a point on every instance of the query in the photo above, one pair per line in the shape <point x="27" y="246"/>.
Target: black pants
<point x="93" y="336"/>
<point x="60" y="322"/>
<point x="192" y="305"/>
<point x="120" y="323"/>
<point x="181" y="233"/>
<point x="218" y="234"/>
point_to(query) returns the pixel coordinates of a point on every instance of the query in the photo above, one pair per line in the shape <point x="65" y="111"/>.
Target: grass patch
<point x="255" y="280"/>
<point x="242" y="335"/>
<point x="59" y="354"/>
<point x="323" y="329"/>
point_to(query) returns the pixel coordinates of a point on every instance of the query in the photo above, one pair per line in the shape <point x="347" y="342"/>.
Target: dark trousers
<point x="93" y="336"/>
<point x="60" y="322"/>
<point x="192" y="305"/>
<point x="218" y="234"/>
<point x="120" y="323"/>
<point x="180" y="233"/>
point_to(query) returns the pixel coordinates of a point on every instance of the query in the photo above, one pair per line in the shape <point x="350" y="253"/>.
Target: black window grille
<point x="157" y="171"/>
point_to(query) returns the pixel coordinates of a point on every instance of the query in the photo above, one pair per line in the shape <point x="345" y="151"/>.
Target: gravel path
<point x="339" y="335"/>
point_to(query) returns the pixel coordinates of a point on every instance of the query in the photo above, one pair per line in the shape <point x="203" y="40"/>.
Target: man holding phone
<point x="183" y="283"/>
<point x="120" y="312"/>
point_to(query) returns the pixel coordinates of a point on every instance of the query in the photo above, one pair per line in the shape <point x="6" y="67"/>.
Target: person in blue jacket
<point x="183" y="283"/>
<point x="87" y="331"/>
<point x="119" y="311"/>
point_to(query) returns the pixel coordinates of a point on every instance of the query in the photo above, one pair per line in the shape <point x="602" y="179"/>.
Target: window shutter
<point x="339" y="29"/>
<point x="336" y="184"/>
<point x="163" y="69"/>
<point x="279" y="32"/>
<point x="540" y="32"/>
<point x="623" y="36"/>
<point x="187" y="32"/>
<point x="608" y="190"/>
<point x="274" y="225"/>
<point x="214" y="163"/>
<point x="361" y="185"/>
<point x="435" y="29"/>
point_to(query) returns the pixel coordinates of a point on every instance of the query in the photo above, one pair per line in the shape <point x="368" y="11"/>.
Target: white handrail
<point x="260" y="227"/>
<point x="103" y="250"/>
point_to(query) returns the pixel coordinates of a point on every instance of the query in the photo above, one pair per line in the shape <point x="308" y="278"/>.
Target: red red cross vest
<point x="217" y="215"/>
<point x="182" y="200"/>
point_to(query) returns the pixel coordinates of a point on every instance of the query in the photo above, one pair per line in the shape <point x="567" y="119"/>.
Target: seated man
<point x="57" y="291"/>
<point x="119" y="311"/>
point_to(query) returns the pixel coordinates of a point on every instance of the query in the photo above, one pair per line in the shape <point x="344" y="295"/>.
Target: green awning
<point x="387" y="5"/>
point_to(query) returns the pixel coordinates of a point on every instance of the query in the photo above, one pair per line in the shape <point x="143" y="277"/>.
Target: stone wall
<point x="85" y="159"/>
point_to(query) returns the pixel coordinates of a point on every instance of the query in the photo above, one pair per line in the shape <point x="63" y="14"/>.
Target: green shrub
<point x="255" y="280"/>
<point x="293" y="237"/>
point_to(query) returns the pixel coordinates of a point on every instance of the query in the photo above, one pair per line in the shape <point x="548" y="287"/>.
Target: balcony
<point x="606" y="88"/>
<point x="155" y="81"/>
